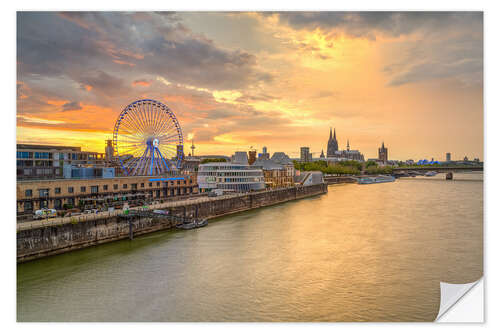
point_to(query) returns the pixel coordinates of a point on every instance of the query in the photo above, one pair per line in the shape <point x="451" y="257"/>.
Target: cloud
<point x="71" y="106"/>
<point x="52" y="44"/>
<point x="368" y="24"/>
<point x="143" y="83"/>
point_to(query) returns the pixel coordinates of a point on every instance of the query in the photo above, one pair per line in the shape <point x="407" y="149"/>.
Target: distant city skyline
<point x="413" y="80"/>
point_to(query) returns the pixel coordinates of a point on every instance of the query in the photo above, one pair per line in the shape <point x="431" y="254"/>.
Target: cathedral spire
<point x="334" y="134"/>
<point x="330" y="133"/>
<point x="348" y="145"/>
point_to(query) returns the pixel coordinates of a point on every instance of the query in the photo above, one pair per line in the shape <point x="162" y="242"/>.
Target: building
<point x="240" y="157"/>
<point x="275" y="175"/>
<point x="348" y="155"/>
<point x="47" y="162"/>
<point x="230" y="176"/>
<point x="307" y="178"/>
<point x="305" y="155"/>
<point x="448" y="157"/>
<point x="75" y="172"/>
<point x="100" y="192"/>
<point x="382" y="154"/>
<point x="333" y="154"/>
<point x="252" y="156"/>
<point x="109" y="152"/>
<point x="283" y="159"/>
<point x="333" y="145"/>
<point x="264" y="155"/>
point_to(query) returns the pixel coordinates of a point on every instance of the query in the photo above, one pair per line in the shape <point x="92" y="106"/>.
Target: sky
<point x="243" y="80"/>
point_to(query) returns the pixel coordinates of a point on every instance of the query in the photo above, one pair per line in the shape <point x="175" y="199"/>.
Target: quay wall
<point x="39" y="241"/>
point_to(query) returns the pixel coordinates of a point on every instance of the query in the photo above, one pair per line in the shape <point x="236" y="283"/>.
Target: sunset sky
<point x="234" y="80"/>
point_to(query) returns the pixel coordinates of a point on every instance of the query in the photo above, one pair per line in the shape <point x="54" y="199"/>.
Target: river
<point x="359" y="253"/>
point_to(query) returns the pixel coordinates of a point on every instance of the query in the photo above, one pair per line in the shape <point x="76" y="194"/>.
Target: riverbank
<point x="45" y="238"/>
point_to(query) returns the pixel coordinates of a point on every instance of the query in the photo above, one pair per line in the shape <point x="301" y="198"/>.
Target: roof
<point x="268" y="165"/>
<point x="281" y="158"/>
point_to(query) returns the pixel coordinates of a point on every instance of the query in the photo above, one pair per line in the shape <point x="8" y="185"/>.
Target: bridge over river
<point x="441" y="168"/>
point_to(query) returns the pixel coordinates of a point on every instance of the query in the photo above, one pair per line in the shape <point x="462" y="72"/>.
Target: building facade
<point x="333" y="154"/>
<point x="382" y="154"/>
<point x="305" y="155"/>
<point x="275" y="175"/>
<point x="47" y="162"/>
<point x="230" y="176"/>
<point x="333" y="145"/>
<point x="448" y="157"/>
<point x="99" y="192"/>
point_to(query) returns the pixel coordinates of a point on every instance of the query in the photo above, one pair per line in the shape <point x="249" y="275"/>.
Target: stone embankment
<point x="39" y="239"/>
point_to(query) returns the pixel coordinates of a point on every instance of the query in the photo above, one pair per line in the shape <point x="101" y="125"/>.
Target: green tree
<point x="212" y="160"/>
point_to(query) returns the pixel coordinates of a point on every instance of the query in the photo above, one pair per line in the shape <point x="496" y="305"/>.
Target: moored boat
<point x="192" y="225"/>
<point x="376" y="179"/>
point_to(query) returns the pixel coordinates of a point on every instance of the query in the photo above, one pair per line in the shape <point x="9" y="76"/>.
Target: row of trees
<point x="212" y="160"/>
<point x="343" y="167"/>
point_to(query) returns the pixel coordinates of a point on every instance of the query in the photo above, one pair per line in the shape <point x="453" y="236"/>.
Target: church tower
<point x="333" y="145"/>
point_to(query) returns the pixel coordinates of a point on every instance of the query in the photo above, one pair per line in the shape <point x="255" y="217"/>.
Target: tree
<point x="212" y="160"/>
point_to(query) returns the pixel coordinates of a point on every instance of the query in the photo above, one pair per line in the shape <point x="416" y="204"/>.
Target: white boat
<point x="430" y="173"/>
<point x="376" y="179"/>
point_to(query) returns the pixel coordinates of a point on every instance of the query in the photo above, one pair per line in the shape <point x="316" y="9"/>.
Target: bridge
<point x="441" y="168"/>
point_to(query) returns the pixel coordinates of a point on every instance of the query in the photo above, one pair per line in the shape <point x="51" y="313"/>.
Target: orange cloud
<point x="143" y="83"/>
<point x="121" y="62"/>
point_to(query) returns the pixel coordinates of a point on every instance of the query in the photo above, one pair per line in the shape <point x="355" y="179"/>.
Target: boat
<point x="192" y="225"/>
<point x="376" y="179"/>
<point x="430" y="173"/>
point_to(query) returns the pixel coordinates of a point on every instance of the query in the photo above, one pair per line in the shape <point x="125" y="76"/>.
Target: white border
<point x="492" y="192"/>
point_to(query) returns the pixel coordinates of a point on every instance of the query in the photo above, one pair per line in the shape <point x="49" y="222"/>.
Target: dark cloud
<point x="73" y="43"/>
<point x="104" y="83"/>
<point x="71" y="106"/>
<point x="366" y="24"/>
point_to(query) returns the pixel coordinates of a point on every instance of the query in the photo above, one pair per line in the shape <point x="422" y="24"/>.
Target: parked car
<point x="44" y="213"/>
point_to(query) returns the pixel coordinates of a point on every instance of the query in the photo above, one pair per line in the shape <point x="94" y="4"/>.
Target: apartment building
<point x="100" y="192"/>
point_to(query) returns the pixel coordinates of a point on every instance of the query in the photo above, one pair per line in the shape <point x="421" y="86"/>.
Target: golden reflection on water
<point x="360" y="253"/>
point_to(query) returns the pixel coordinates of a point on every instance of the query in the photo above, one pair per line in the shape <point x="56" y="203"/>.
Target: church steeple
<point x="334" y="134"/>
<point x="348" y="145"/>
<point x="330" y="133"/>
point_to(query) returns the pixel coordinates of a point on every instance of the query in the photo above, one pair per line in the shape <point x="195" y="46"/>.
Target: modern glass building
<point x="229" y="176"/>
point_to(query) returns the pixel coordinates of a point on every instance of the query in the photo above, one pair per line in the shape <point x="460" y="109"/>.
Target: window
<point x="83" y="189"/>
<point x="124" y="185"/>
<point x="134" y="186"/>
<point x="115" y="186"/>
<point x="142" y="184"/>
<point x="44" y="192"/>
<point x="150" y="184"/>
<point x="70" y="189"/>
<point x="57" y="190"/>
<point x="28" y="193"/>
<point x="94" y="189"/>
<point x="157" y="184"/>
<point x="105" y="187"/>
<point x="42" y="155"/>
<point x="28" y="206"/>
<point x="23" y="154"/>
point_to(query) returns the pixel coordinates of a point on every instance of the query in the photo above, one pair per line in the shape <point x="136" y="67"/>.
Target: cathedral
<point x="333" y="145"/>
<point x="333" y="152"/>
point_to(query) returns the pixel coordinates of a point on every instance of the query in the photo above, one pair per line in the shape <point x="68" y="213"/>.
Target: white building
<point x="230" y="176"/>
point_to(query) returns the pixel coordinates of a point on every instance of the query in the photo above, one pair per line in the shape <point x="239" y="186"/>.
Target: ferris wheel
<point x="147" y="139"/>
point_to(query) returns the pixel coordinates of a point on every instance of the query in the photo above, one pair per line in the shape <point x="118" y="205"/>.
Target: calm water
<point x="360" y="253"/>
